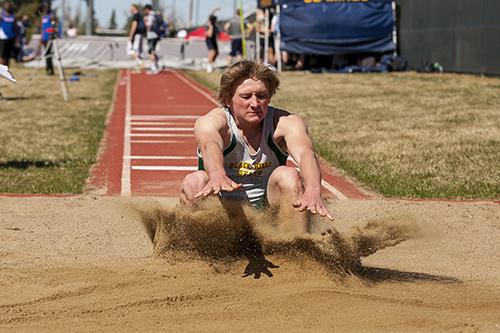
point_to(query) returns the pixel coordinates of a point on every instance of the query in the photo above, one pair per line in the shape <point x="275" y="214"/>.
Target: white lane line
<point x="159" y="135"/>
<point x="176" y="106"/>
<point x="163" y="117"/>
<point x="204" y="93"/>
<point x="157" y="141"/>
<point x="164" y="168"/>
<point x="125" y="181"/>
<point x="160" y="123"/>
<point x="333" y="190"/>
<point x="325" y="184"/>
<point x="161" y="157"/>
<point x="163" y="129"/>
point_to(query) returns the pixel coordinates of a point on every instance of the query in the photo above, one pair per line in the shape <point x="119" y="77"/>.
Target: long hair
<point x="242" y="70"/>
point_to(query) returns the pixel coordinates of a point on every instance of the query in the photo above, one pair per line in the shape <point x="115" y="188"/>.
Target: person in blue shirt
<point x="8" y="32"/>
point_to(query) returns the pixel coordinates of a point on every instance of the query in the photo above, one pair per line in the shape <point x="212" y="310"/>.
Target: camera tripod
<point x="48" y="55"/>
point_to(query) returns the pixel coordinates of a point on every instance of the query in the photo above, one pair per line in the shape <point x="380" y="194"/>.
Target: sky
<point x="103" y="8"/>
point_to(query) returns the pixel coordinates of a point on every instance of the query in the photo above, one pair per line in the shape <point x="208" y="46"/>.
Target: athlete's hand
<point x="311" y="201"/>
<point x="217" y="182"/>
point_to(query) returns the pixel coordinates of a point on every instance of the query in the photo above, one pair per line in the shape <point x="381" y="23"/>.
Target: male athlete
<point x="243" y="147"/>
<point x="152" y="36"/>
<point x="137" y="30"/>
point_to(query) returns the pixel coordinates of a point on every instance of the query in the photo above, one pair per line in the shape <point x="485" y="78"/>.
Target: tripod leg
<point x="41" y="50"/>
<point x="60" y="69"/>
<point x="49" y="55"/>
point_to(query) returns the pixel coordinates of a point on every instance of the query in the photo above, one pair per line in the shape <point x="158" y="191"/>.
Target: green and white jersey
<point x="251" y="170"/>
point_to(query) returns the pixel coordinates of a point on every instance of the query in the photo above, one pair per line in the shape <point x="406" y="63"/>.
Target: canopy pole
<point x="257" y="46"/>
<point x="278" y="39"/>
<point x="242" y="29"/>
<point x="266" y="36"/>
<point x="394" y="27"/>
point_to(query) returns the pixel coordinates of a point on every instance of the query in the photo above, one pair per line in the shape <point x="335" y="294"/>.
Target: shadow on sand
<point x="378" y="275"/>
<point x="258" y="265"/>
<point x="14" y="98"/>
<point x="25" y="164"/>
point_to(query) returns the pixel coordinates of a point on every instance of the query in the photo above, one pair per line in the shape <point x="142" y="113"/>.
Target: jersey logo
<point x="249" y="169"/>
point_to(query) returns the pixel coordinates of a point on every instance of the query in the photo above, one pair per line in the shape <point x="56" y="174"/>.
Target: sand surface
<point x="88" y="264"/>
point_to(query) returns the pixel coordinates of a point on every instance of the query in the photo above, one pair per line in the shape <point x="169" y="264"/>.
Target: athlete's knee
<point x="192" y="184"/>
<point x="286" y="179"/>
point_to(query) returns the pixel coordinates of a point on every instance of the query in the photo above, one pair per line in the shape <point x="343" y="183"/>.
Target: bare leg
<point x="212" y="55"/>
<point x="271" y="56"/>
<point x="191" y="185"/>
<point x="154" y="61"/>
<point x="284" y="57"/>
<point x="284" y="188"/>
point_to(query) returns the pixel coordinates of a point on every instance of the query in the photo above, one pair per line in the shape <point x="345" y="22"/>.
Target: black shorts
<point x="236" y="47"/>
<point x="152" y="45"/>
<point x="7" y="48"/>
<point x="271" y="42"/>
<point x="212" y="45"/>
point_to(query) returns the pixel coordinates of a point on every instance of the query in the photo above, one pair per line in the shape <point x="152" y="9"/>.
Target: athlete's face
<point x="250" y="101"/>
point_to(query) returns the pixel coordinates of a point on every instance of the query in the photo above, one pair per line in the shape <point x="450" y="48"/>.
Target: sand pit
<point x="85" y="264"/>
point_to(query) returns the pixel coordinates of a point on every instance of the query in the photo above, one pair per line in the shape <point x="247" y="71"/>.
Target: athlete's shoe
<point x="153" y="71"/>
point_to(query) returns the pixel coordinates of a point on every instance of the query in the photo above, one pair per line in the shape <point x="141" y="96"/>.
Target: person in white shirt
<point x="152" y="36"/>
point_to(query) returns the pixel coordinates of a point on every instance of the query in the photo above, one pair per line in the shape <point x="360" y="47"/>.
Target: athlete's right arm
<point x="208" y="131"/>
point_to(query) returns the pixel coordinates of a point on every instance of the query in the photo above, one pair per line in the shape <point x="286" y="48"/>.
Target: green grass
<point x="47" y="145"/>
<point x="402" y="135"/>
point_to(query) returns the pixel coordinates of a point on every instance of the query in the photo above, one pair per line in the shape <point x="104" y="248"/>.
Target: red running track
<point x="150" y="144"/>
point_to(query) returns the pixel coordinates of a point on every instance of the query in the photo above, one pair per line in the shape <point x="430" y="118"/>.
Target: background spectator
<point x="152" y="21"/>
<point x="22" y="38"/>
<point x="47" y="34"/>
<point x="233" y="29"/>
<point x="8" y="32"/>
<point x="211" y="41"/>
<point x="137" y="30"/>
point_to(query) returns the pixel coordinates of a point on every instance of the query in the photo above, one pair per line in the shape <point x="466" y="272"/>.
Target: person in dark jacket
<point x="47" y="34"/>
<point x="136" y="35"/>
<point x="211" y="41"/>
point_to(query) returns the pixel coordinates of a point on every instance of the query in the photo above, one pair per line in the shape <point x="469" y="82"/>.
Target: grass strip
<point x="46" y="145"/>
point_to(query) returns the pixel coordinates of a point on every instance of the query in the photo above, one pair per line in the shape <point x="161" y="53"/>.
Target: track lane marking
<point x="161" y="123"/>
<point x="159" y="135"/>
<point x="157" y="141"/>
<point x="162" y="117"/>
<point x="152" y="157"/>
<point x="324" y="183"/>
<point x="163" y="129"/>
<point x="126" y="187"/>
<point x="164" y="168"/>
<point x="204" y="93"/>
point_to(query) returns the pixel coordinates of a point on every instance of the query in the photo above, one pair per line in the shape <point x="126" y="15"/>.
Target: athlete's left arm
<point x="294" y="131"/>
